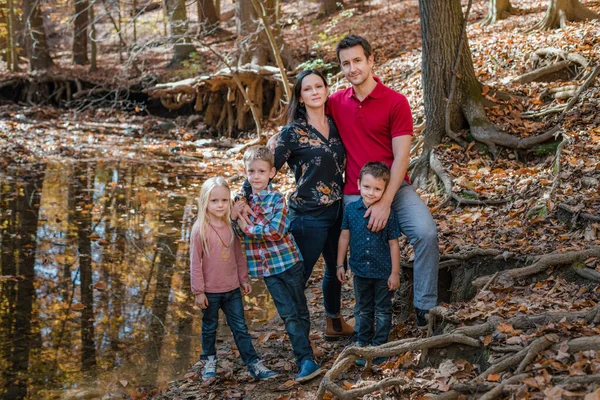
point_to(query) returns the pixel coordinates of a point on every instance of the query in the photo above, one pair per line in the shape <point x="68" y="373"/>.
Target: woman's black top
<point x="318" y="164"/>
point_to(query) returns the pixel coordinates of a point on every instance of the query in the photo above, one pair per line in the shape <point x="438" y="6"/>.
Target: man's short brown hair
<point x="377" y="169"/>
<point x="259" y="153"/>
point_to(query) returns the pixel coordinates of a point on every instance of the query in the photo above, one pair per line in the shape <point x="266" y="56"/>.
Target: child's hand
<point x="393" y="282"/>
<point x="341" y="274"/>
<point x="201" y="301"/>
<point x="246" y="288"/>
<point x="242" y="223"/>
<point x="237" y="208"/>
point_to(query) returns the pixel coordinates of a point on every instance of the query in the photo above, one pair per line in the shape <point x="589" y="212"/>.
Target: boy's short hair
<point x="351" y="41"/>
<point x="377" y="169"/>
<point x="259" y="153"/>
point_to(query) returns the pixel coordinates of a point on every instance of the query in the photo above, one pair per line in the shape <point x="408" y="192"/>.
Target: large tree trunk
<point x="178" y="23"/>
<point x="497" y="10"/>
<point x="80" y="32"/>
<point x="441" y="22"/>
<point x="207" y="14"/>
<point x="35" y="36"/>
<point x="560" y="12"/>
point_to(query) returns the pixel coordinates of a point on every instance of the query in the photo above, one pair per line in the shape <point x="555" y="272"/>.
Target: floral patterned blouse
<point x="318" y="164"/>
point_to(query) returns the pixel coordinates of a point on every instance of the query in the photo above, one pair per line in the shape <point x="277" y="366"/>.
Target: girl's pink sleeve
<point x="196" y="275"/>
<point x="242" y="265"/>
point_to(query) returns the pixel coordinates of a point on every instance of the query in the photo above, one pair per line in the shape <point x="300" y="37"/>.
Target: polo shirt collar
<point x="362" y="204"/>
<point x="376" y="93"/>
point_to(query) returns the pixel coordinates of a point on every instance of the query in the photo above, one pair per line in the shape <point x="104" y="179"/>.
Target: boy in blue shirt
<point x="374" y="259"/>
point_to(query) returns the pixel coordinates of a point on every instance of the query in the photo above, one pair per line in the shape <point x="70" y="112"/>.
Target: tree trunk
<point x="328" y="7"/>
<point x="178" y="23"/>
<point x="441" y="22"/>
<point x="94" y="48"/>
<point x="207" y="15"/>
<point x="560" y="12"/>
<point x="80" y="32"/>
<point x="35" y="36"/>
<point x="497" y="10"/>
<point x="84" y="227"/>
<point x="12" y="59"/>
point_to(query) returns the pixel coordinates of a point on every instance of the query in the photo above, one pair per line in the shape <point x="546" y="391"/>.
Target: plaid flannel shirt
<point x="270" y="247"/>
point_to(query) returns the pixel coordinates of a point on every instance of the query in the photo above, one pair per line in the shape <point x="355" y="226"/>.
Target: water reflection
<point x="94" y="282"/>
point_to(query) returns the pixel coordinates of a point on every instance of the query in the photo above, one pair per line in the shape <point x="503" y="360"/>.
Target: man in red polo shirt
<point x="375" y="124"/>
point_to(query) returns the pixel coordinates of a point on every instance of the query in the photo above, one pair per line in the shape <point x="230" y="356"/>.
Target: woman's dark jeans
<point x="318" y="233"/>
<point x="233" y="308"/>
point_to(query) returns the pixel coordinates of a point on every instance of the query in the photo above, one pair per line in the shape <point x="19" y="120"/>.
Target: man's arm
<point x="379" y="212"/>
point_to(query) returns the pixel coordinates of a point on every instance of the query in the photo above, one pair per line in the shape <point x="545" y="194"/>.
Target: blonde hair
<point x="202" y="222"/>
<point x="259" y="153"/>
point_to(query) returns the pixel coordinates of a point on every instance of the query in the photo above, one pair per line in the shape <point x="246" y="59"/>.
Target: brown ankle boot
<point x="337" y="328"/>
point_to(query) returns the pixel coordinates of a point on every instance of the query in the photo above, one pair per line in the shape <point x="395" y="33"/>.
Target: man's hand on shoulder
<point x="378" y="215"/>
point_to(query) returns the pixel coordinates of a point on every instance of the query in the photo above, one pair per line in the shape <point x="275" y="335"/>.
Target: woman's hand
<point x="237" y="208"/>
<point x="245" y="213"/>
<point x="242" y="223"/>
<point x="341" y="274"/>
<point x="201" y="301"/>
<point x="272" y="143"/>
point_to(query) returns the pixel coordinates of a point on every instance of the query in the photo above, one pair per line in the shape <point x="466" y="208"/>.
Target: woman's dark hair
<point x="295" y="110"/>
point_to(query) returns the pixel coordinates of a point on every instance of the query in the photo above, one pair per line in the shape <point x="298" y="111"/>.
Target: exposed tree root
<point x="575" y="215"/>
<point x="497" y="10"/>
<point x="543" y="263"/>
<point x="560" y="12"/>
<point x="231" y="99"/>
<point x="436" y="165"/>
<point x="346" y="359"/>
<point x="542" y="71"/>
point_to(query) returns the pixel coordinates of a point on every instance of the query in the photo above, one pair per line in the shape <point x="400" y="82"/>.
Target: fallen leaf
<point x="493" y="377"/>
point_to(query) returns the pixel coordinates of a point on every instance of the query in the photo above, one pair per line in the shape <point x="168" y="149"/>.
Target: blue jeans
<point x="287" y="291"/>
<point x="317" y="234"/>
<point x="233" y="308"/>
<point x="373" y="308"/>
<point x="418" y="225"/>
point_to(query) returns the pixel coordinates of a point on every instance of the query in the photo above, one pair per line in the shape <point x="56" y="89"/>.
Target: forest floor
<point x="552" y="207"/>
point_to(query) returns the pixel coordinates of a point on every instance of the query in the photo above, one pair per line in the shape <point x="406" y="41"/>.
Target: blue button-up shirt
<point x="369" y="251"/>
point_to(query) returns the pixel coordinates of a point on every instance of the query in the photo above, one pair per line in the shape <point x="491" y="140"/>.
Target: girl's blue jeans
<point x="233" y="308"/>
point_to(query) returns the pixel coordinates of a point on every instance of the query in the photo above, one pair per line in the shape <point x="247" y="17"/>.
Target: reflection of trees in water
<point x="19" y="246"/>
<point x="83" y="218"/>
<point x="168" y="237"/>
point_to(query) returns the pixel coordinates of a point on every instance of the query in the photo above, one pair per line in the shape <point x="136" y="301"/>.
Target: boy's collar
<point x="263" y="193"/>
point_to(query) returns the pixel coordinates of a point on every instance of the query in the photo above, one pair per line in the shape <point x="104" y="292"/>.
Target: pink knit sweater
<point x="221" y="271"/>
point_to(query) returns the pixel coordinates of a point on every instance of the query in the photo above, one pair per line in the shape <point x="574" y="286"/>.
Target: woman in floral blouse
<point x="311" y="146"/>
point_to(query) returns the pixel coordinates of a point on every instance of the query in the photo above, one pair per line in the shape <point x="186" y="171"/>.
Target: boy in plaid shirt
<point x="272" y="254"/>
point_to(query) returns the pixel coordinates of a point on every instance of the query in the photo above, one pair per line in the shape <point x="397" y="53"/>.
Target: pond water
<point x="94" y="278"/>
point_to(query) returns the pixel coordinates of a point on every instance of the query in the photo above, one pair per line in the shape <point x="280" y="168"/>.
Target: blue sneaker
<point x="308" y="370"/>
<point x="258" y="371"/>
<point x="210" y="368"/>
<point x="361" y="362"/>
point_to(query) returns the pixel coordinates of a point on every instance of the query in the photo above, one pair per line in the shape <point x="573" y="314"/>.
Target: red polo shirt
<point x="367" y="127"/>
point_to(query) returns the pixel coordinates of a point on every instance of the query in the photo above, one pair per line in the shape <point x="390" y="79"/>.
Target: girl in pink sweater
<point x="218" y="269"/>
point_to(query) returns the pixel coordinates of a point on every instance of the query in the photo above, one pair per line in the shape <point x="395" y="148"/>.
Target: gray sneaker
<point x="258" y="371"/>
<point x="210" y="368"/>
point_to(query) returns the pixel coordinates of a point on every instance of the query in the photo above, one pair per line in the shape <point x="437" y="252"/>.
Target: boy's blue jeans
<point x="373" y="307"/>
<point x="417" y="224"/>
<point x="287" y="291"/>
<point x="233" y="308"/>
<point x="317" y="234"/>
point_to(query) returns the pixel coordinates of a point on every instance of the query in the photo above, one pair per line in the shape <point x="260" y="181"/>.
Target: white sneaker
<point x="210" y="368"/>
